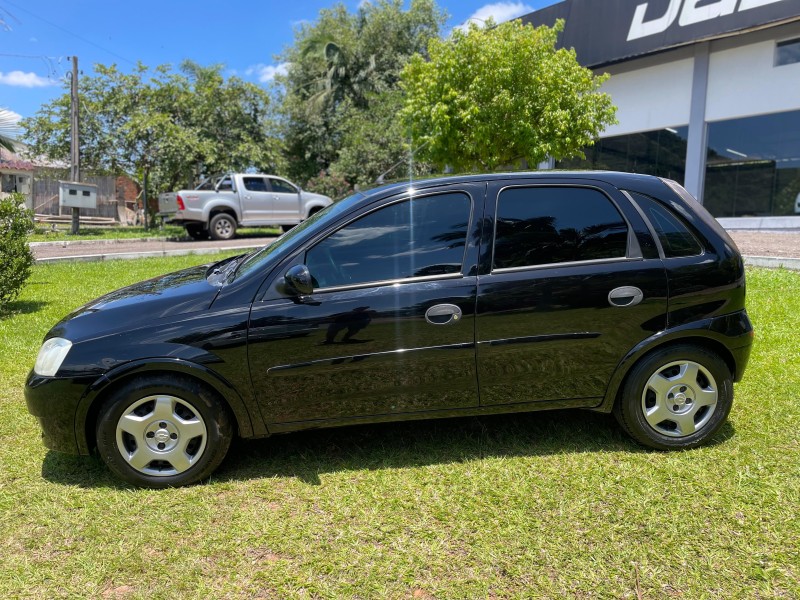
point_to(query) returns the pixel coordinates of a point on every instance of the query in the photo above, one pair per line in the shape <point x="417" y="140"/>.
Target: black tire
<point x="676" y="397"/>
<point x="163" y="431"/>
<point x="197" y="232"/>
<point x="222" y="227"/>
<point x="286" y="228"/>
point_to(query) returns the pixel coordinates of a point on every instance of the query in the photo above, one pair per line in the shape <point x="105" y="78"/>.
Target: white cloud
<point x="21" y="79"/>
<point x="499" y="11"/>
<point x="267" y="73"/>
<point x="15" y="117"/>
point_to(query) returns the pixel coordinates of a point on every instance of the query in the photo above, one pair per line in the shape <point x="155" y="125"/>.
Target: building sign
<point x="613" y="30"/>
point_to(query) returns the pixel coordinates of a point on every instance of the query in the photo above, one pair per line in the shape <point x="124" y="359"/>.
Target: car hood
<point x="140" y="304"/>
<point x="313" y="196"/>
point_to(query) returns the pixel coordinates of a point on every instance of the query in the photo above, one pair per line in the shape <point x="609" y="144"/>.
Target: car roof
<point x="615" y="178"/>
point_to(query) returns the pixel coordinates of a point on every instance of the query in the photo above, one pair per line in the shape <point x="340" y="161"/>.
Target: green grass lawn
<point x="540" y="505"/>
<point x="62" y="233"/>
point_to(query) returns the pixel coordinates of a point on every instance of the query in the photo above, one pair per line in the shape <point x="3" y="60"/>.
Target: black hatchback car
<point x="457" y="296"/>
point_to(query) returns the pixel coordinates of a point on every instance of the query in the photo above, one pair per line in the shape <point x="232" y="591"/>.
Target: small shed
<point x="16" y="175"/>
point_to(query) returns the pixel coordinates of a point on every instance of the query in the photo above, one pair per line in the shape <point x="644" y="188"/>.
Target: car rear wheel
<point x="222" y="227"/>
<point x="676" y="397"/>
<point x="163" y="431"/>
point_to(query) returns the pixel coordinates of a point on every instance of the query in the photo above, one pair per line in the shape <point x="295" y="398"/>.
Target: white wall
<point x="654" y="97"/>
<point x="744" y="82"/>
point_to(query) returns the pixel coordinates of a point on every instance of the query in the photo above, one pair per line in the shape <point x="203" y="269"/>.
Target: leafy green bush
<point x="333" y="186"/>
<point x="15" y="254"/>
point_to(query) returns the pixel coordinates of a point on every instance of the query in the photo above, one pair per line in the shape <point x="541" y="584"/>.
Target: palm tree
<point x="346" y="73"/>
<point x="8" y="129"/>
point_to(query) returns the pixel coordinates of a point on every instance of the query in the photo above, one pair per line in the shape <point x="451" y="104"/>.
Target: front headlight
<point x="51" y="355"/>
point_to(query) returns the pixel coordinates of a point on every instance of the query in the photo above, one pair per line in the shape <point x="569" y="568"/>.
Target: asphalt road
<point x="107" y="249"/>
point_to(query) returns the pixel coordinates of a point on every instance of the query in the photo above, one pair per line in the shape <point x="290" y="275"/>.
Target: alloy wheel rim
<point x="223" y="227"/>
<point x="679" y="399"/>
<point x="161" y="435"/>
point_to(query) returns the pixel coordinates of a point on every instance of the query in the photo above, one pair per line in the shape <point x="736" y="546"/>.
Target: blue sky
<point x="38" y="36"/>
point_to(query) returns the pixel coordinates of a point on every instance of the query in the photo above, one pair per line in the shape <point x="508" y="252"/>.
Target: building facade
<point x="708" y="94"/>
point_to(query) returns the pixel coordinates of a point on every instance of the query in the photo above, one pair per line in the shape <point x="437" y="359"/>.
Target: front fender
<point x="89" y="406"/>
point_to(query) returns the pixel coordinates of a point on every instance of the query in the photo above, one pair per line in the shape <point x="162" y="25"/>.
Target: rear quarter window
<point x="674" y="234"/>
<point x="549" y="225"/>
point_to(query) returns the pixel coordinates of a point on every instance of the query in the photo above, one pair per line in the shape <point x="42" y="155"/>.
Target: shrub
<point x="15" y="254"/>
<point x="331" y="185"/>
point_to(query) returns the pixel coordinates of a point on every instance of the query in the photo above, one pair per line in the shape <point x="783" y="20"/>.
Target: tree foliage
<point x="8" y="129"/>
<point x="490" y="97"/>
<point x="344" y="70"/>
<point x="15" y="254"/>
<point x="160" y="122"/>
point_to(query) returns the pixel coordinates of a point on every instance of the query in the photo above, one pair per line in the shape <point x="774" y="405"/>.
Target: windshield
<point x="278" y="249"/>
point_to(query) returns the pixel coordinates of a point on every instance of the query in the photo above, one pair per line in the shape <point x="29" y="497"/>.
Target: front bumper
<point x="54" y="402"/>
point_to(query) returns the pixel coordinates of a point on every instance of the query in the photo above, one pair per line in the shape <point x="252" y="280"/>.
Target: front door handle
<point x="443" y="314"/>
<point x="624" y="296"/>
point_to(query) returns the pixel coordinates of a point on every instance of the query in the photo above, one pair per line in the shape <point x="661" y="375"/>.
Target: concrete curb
<point x="135" y="255"/>
<point x="65" y="243"/>
<point x="773" y="262"/>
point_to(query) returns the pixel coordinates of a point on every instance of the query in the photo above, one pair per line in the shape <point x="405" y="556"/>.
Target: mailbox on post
<point x="77" y="195"/>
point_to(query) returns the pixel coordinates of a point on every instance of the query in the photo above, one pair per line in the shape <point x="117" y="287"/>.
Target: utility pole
<point x="75" y="155"/>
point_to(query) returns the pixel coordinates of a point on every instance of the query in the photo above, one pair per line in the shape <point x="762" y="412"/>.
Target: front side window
<point x="282" y="187"/>
<point x="413" y="238"/>
<point x="675" y="237"/>
<point x="548" y="225"/>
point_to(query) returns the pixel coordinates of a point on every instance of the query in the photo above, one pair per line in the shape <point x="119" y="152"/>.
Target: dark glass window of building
<point x="415" y="238"/>
<point x="753" y="166"/>
<point x="787" y="53"/>
<point x="675" y="237"/>
<point x="547" y="225"/>
<point x="661" y="152"/>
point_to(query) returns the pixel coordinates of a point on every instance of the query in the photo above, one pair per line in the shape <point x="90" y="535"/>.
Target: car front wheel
<point x="677" y="397"/>
<point x="163" y="431"/>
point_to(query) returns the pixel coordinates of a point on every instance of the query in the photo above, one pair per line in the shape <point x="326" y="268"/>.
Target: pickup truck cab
<point x="222" y="204"/>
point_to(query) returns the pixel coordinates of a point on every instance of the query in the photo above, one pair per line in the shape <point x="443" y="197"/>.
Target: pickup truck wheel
<point x="197" y="232"/>
<point x="286" y="228"/>
<point x="222" y="227"/>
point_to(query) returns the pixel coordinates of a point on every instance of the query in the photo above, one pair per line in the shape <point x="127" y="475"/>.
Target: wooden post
<point x="75" y="155"/>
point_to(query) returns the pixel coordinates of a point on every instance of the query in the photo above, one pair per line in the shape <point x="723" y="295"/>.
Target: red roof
<point x="11" y="162"/>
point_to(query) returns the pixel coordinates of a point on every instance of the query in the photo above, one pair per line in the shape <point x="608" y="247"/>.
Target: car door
<point x="571" y="280"/>
<point x="286" y="201"/>
<point x="389" y="327"/>
<point x="257" y="200"/>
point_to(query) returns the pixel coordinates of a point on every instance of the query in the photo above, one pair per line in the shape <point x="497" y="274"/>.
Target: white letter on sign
<point x="691" y="14"/>
<point x="640" y="29"/>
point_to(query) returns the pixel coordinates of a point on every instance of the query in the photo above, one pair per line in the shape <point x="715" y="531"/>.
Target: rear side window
<point x="550" y="225"/>
<point x="255" y="184"/>
<point x="675" y="237"/>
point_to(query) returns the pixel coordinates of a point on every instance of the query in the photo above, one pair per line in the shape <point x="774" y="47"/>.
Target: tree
<point x="340" y="69"/>
<point x="161" y="123"/>
<point x="16" y="223"/>
<point x="491" y="97"/>
<point x="8" y="129"/>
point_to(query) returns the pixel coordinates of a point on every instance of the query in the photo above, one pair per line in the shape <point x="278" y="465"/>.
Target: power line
<point x="67" y="31"/>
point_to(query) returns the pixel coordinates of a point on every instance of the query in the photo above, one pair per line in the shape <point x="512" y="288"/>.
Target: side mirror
<point x="298" y="281"/>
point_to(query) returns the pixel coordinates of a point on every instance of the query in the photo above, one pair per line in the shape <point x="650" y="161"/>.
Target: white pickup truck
<point x="221" y="204"/>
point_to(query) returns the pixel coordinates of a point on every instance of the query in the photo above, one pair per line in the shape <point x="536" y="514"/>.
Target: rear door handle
<point x="624" y="296"/>
<point x="443" y="314"/>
